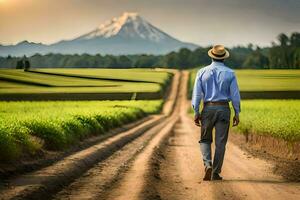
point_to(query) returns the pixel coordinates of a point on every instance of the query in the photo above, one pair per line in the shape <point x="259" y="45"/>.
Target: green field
<point x="278" y="118"/>
<point x="264" y="81"/>
<point x="28" y="127"/>
<point x="51" y="82"/>
<point x="144" y="75"/>
<point x="268" y="80"/>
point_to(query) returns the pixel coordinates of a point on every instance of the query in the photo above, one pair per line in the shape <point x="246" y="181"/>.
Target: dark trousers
<point x="217" y="117"/>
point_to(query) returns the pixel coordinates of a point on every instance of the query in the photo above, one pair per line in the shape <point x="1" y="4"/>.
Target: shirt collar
<point x="216" y="63"/>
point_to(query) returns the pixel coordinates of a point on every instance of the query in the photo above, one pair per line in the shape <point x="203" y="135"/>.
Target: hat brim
<point x="210" y="54"/>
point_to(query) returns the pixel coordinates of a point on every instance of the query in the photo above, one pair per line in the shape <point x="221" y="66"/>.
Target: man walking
<point x="217" y="85"/>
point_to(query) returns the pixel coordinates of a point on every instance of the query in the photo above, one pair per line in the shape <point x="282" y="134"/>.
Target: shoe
<point x="207" y="176"/>
<point x="216" y="177"/>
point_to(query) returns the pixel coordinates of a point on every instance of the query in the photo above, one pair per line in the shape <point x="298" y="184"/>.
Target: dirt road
<point x="165" y="163"/>
<point x="175" y="169"/>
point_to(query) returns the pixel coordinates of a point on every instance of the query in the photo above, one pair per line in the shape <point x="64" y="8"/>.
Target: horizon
<point x="250" y="22"/>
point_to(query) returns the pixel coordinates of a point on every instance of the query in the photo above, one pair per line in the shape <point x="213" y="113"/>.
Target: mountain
<point x="128" y="34"/>
<point x="22" y="48"/>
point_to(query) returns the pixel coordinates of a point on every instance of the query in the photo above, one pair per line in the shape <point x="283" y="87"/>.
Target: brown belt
<point x="216" y="103"/>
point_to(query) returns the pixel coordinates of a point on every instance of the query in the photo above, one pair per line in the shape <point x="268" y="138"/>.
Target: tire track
<point x="138" y="175"/>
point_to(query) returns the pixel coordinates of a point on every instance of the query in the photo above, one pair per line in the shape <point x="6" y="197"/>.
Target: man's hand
<point x="236" y="120"/>
<point x="197" y="119"/>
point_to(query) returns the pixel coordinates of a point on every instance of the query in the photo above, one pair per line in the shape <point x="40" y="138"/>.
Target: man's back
<point x="216" y="79"/>
<point x="215" y="83"/>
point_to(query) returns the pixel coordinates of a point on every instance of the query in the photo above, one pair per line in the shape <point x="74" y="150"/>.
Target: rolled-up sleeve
<point x="197" y="93"/>
<point x="235" y="95"/>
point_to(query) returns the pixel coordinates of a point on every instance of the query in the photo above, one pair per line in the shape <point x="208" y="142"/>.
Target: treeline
<point x="182" y="59"/>
<point x="285" y="53"/>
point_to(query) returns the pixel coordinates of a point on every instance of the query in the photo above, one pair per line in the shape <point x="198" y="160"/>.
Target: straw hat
<point x="218" y="52"/>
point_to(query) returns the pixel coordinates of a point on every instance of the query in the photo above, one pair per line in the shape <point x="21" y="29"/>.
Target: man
<point x="217" y="85"/>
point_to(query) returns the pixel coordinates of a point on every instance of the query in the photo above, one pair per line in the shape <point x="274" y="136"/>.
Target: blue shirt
<point x="216" y="82"/>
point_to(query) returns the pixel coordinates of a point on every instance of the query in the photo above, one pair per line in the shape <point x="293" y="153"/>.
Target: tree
<point x="285" y="55"/>
<point x="256" y="60"/>
<point x="297" y="58"/>
<point x="250" y="46"/>
<point x="171" y="60"/>
<point x="20" y="64"/>
<point x="283" y="39"/>
<point x="147" y="61"/>
<point x="26" y="65"/>
<point x="295" y="39"/>
<point x="124" y="62"/>
<point x="110" y="61"/>
<point x="183" y="60"/>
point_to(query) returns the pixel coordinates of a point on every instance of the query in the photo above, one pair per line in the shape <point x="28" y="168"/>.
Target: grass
<point x="10" y="85"/>
<point x="28" y="127"/>
<point x="146" y="75"/>
<point x="128" y="87"/>
<point x="277" y="118"/>
<point x="48" y="80"/>
<point x="75" y="81"/>
<point x="268" y="80"/>
<point x="264" y="80"/>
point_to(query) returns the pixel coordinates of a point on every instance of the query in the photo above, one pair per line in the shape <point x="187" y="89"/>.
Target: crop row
<point x="277" y="118"/>
<point x="138" y="74"/>
<point x="28" y="127"/>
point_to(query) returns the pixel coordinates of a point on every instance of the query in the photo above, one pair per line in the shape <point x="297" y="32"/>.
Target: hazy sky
<point x="203" y="22"/>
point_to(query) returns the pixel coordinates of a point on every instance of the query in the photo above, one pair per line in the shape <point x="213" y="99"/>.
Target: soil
<point x="285" y="163"/>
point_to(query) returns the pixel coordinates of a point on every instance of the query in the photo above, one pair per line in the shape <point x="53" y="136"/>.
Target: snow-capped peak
<point x="129" y="25"/>
<point x="129" y="16"/>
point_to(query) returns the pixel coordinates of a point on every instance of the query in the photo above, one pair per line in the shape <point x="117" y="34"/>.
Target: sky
<point x="203" y="22"/>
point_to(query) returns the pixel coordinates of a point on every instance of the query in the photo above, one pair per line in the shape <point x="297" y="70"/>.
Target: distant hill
<point x="128" y="34"/>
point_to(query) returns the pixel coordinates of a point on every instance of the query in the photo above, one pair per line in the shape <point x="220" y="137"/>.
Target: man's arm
<point x="235" y="99"/>
<point x="196" y="97"/>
